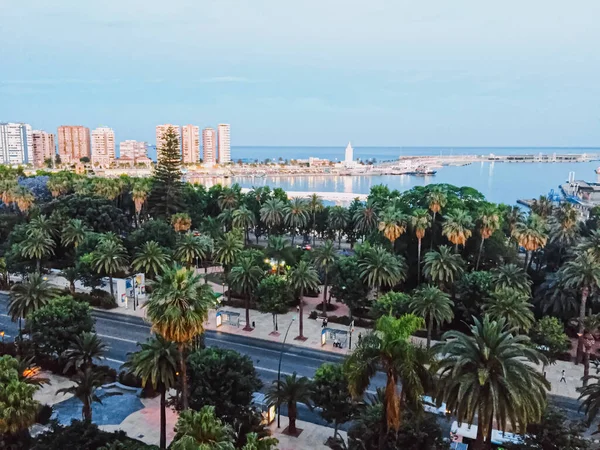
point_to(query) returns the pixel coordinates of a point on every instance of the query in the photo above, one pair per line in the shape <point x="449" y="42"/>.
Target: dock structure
<point x="449" y="160"/>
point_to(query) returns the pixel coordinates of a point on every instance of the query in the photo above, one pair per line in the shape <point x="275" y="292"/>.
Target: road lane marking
<point x="114" y="360"/>
<point x="117" y="338"/>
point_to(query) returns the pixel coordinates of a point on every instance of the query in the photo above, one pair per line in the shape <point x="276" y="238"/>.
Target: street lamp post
<point x="279" y="372"/>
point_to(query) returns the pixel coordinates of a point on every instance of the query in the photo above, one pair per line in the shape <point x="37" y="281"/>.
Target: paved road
<point x="122" y="333"/>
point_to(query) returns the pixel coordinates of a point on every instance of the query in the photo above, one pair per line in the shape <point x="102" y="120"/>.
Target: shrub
<point x="97" y="298"/>
<point x="44" y="414"/>
<point x="313" y="315"/>
<point x="8" y="348"/>
<point x="109" y="374"/>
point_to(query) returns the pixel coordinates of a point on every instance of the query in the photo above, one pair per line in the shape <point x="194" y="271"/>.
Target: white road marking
<point x="117" y="338"/>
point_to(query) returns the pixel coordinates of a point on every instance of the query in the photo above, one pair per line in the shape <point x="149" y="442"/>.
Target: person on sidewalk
<point x="562" y="377"/>
<point x="324" y="324"/>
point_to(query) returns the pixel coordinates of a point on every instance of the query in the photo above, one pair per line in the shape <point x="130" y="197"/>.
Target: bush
<point x="313" y="315"/>
<point x="8" y="348"/>
<point x="44" y="414"/>
<point x="97" y="298"/>
<point x="109" y="374"/>
<point x="129" y="379"/>
<point x="345" y="320"/>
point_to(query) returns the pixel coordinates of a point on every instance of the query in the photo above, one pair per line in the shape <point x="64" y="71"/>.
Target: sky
<point x="309" y="72"/>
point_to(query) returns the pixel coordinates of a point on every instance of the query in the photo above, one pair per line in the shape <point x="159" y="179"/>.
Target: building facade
<point x="16" y="143"/>
<point x="209" y="143"/>
<point x="224" y="143"/>
<point x="103" y="147"/>
<point x="133" y="152"/>
<point x="190" y="144"/>
<point x="73" y="143"/>
<point x="160" y="132"/>
<point x="44" y="147"/>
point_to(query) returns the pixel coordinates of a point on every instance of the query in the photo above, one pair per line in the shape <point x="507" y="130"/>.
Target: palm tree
<point x="29" y="296"/>
<point x="315" y="205"/>
<point x="489" y="222"/>
<point x="156" y="363"/>
<point x="531" y="235"/>
<point x="228" y="199"/>
<point x="110" y="257"/>
<point x="511" y="216"/>
<point x="71" y="274"/>
<point x="389" y="349"/>
<point x="46" y="224"/>
<point x="82" y="351"/>
<point x="271" y="213"/>
<point x="511" y="276"/>
<point x="295" y="215"/>
<point x="324" y="257"/>
<point x="443" y="267"/>
<point x="244" y="278"/>
<point x="189" y="248"/>
<point x="291" y="390"/>
<point x="392" y="224"/>
<point x="338" y="220"/>
<point x="228" y="250"/>
<point x="140" y="190"/>
<point x="302" y="278"/>
<point x="434" y="306"/>
<point x="378" y="267"/>
<point x="23" y="197"/>
<point x="84" y="389"/>
<point x="590" y="244"/>
<point x="491" y="374"/>
<point x="278" y="247"/>
<point x="244" y="218"/>
<point x="74" y="233"/>
<point x="437" y="199"/>
<point x="202" y="430"/>
<point x="582" y="274"/>
<point x="177" y="311"/>
<point x="542" y="207"/>
<point x="225" y="217"/>
<point x="457" y="227"/>
<point x="420" y="221"/>
<point x="151" y="258"/>
<point x="58" y="185"/>
<point x="512" y="305"/>
<point x="7" y="190"/>
<point x="181" y="222"/>
<point x="563" y="226"/>
<point x="107" y="188"/>
<point x="37" y="245"/>
<point x="365" y="218"/>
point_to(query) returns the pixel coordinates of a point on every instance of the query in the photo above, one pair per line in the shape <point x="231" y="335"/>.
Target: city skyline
<point x="378" y="74"/>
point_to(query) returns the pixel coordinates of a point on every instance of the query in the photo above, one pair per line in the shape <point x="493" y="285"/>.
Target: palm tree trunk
<point x="112" y="289"/>
<point x="429" y="331"/>
<point x="183" y="371"/>
<point x="340" y="240"/>
<point x="38" y="265"/>
<point x="247" y="327"/>
<point x="419" y="262"/>
<point x="455" y="248"/>
<point x="582" y="306"/>
<point x="525" y="262"/>
<point x="293" y="237"/>
<point x="300" y="319"/>
<point x="325" y="295"/>
<point x="314" y="223"/>
<point x="163" y="418"/>
<point x="86" y="412"/>
<point x="72" y="287"/>
<point x="432" y="231"/>
<point x="292" y="418"/>
<point x="586" y="367"/>
<point x="480" y="252"/>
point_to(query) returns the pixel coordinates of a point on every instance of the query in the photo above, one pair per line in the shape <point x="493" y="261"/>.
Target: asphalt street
<point x="122" y="333"/>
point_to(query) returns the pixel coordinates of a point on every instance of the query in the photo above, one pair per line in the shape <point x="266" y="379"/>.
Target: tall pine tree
<point x="166" y="197"/>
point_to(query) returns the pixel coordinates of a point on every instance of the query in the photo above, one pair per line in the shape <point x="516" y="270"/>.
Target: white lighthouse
<point x="349" y="158"/>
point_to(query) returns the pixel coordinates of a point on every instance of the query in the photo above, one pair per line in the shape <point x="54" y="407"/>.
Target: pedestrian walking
<point x="325" y="322"/>
<point x="359" y="337"/>
<point x="562" y="377"/>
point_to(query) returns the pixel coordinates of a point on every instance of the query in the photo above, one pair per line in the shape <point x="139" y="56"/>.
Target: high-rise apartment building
<point x="209" y="143"/>
<point x="16" y="143"/>
<point x="103" y="147"/>
<point x="73" y="143"/>
<point x="44" y="147"/>
<point x="160" y="131"/>
<point x="190" y="144"/>
<point x="224" y="143"/>
<point x="133" y="150"/>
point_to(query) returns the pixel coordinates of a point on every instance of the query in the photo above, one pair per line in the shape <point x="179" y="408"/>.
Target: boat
<point x="597" y="170"/>
<point x="421" y="171"/>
